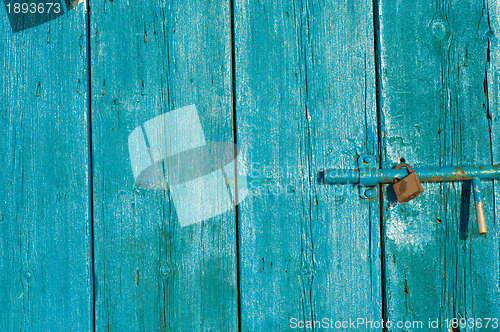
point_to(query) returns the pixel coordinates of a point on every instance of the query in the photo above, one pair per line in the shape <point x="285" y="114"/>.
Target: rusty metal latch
<point x="369" y="176"/>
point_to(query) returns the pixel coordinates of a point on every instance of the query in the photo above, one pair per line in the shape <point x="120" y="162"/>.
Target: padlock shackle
<point x="404" y="165"/>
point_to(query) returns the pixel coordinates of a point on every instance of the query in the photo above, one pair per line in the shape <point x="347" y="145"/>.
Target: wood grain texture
<point x="45" y="247"/>
<point x="305" y="79"/>
<point x="147" y="59"/>
<point x="493" y="81"/>
<point x="435" y="112"/>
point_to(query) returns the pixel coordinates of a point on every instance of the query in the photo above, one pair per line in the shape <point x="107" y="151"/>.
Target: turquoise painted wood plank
<point x="493" y="101"/>
<point x="45" y="246"/>
<point x="434" y="64"/>
<point x="151" y="58"/>
<point x="305" y="79"/>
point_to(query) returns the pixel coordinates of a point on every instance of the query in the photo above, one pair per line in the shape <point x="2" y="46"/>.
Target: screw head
<point x="369" y="193"/>
<point x="368" y="159"/>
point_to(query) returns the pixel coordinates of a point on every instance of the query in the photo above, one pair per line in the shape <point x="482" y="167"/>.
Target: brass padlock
<point x="409" y="187"/>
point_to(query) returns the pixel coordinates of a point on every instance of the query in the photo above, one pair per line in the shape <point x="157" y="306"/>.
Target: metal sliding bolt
<point x="368" y="176"/>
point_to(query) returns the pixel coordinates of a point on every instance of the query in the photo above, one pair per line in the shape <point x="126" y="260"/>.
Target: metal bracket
<point x="368" y="172"/>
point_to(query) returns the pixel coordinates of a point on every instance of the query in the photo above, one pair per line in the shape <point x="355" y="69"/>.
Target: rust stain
<point x="137" y="277"/>
<point x="459" y="176"/>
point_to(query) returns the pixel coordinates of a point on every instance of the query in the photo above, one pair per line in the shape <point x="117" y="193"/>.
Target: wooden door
<point x="298" y="86"/>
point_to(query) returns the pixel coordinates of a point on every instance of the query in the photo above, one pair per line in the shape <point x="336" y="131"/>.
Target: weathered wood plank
<point x="150" y="58"/>
<point x="492" y="10"/>
<point x="45" y="247"/>
<point x="434" y="57"/>
<point x="305" y="79"/>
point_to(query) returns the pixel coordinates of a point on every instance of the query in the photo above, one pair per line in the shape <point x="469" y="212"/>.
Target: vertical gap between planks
<point x="91" y="166"/>
<point x="378" y="87"/>
<point x="488" y="114"/>
<point x="235" y="162"/>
